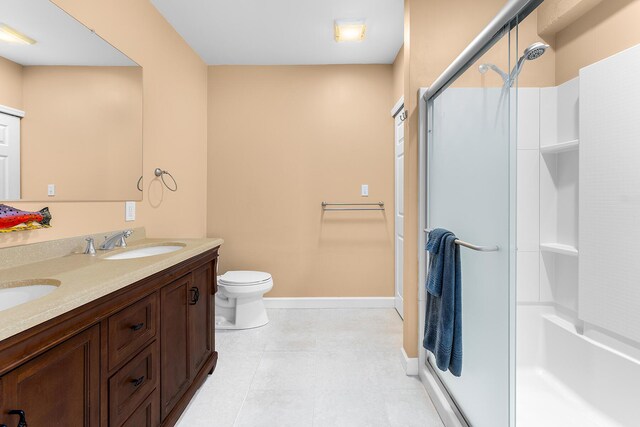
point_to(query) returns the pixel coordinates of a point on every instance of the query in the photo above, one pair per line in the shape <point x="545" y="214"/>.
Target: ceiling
<point x="285" y="32"/>
<point x="61" y="40"/>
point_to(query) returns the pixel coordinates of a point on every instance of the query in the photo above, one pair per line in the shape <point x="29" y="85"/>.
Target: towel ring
<point x="138" y="184"/>
<point x="160" y="173"/>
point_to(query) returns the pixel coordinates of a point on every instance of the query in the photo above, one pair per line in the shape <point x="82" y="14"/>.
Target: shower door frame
<point x="514" y="11"/>
<point x="446" y="406"/>
<point x="447" y="409"/>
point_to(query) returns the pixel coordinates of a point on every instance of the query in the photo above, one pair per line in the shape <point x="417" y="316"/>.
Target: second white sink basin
<point x="22" y="292"/>
<point x="146" y="251"/>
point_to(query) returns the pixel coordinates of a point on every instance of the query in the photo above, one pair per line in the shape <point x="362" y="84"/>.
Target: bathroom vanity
<point x="122" y="342"/>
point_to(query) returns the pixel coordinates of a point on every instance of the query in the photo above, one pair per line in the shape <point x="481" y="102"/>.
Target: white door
<point x="9" y="157"/>
<point x="399" y="208"/>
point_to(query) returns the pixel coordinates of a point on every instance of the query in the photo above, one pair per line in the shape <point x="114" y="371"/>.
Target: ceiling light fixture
<point x="8" y="34"/>
<point x="349" y="30"/>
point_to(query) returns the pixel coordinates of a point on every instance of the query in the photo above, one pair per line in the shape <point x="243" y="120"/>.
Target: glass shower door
<point x="470" y="170"/>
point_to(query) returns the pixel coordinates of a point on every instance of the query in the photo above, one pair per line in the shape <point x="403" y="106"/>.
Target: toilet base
<point x="240" y="313"/>
<point x="222" y="323"/>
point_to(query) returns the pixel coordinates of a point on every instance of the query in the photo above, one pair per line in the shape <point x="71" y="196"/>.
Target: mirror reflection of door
<point x="9" y="157"/>
<point x="399" y="208"/>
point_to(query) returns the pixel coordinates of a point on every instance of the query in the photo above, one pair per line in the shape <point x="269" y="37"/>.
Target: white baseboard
<point x="410" y="364"/>
<point x="330" y="302"/>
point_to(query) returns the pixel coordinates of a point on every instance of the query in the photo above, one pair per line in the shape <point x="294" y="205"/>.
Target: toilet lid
<point x="244" y="277"/>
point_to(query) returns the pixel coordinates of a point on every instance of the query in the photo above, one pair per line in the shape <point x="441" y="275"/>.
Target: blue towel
<point x="443" y="320"/>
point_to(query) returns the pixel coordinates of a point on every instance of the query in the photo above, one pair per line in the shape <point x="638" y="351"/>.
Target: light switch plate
<point x="129" y="211"/>
<point x="51" y="190"/>
<point x="364" y="192"/>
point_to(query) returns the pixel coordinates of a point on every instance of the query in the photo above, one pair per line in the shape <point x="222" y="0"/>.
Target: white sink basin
<point x="13" y="294"/>
<point x="146" y="251"/>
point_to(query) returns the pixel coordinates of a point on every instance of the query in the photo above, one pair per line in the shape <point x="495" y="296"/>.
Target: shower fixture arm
<point x="531" y="53"/>
<point x="484" y="67"/>
<point x="516" y="71"/>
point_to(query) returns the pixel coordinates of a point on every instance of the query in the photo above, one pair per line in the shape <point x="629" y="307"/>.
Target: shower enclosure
<point x="470" y="168"/>
<point x="548" y="174"/>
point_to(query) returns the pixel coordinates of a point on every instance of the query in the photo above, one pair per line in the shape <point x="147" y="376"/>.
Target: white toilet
<point x="239" y="303"/>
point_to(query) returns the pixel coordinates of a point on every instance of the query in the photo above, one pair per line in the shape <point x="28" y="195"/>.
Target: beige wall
<point x="175" y="123"/>
<point x="608" y="28"/>
<point x="554" y="15"/>
<point x="397" y="73"/>
<point x="10" y="84"/>
<point x="92" y="115"/>
<point x="281" y="140"/>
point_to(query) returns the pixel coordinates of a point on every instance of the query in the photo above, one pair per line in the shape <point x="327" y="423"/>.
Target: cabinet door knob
<point x="23" y="418"/>
<point x="137" y="381"/>
<point x="195" y="295"/>
<point x="137" y="326"/>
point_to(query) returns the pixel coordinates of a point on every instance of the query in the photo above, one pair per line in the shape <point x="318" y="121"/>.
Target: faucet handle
<point x="122" y="242"/>
<point x="90" y="249"/>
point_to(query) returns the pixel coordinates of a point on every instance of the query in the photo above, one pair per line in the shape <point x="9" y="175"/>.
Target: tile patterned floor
<point x="320" y="368"/>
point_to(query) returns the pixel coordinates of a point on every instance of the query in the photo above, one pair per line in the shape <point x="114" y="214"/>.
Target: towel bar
<point x="379" y="208"/>
<point x="472" y="246"/>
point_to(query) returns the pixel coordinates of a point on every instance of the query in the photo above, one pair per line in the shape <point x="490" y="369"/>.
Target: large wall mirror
<point x="70" y="109"/>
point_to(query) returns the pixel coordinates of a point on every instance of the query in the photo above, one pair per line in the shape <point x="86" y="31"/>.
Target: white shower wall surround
<point x="578" y="318"/>
<point x="610" y="194"/>
<point x="547" y="195"/>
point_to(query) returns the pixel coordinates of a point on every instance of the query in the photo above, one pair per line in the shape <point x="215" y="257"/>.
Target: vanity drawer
<point x="131" y="328"/>
<point x="132" y="384"/>
<point x="147" y="414"/>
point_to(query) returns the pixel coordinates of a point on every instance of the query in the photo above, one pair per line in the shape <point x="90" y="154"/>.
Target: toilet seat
<point x="244" y="278"/>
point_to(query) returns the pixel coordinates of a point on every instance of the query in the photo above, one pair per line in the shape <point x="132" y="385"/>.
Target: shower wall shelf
<point x="558" y="163"/>
<point x="559" y="248"/>
<point x="561" y="147"/>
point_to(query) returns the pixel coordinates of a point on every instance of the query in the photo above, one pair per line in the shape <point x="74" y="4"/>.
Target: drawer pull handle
<point x="137" y="326"/>
<point x="136" y="382"/>
<point x="195" y="295"/>
<point x="22" y="422"/>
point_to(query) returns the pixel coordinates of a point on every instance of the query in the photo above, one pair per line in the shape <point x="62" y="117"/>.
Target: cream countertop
<point x="85" y="278"/>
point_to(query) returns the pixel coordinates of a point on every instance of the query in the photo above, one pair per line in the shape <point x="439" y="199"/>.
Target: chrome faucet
<point x="116" y="240"/>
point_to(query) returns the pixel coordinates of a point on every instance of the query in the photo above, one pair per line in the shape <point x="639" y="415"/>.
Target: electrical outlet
<point x="129" y="211"/>
<point x="364" y="192"/>
<point x="51" y="190"/>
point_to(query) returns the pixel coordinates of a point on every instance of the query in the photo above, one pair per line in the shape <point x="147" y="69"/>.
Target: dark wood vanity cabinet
<point x="175" y="354"/>
<point x="133" y="358"/>
<point x="72" y="370"/>
<point x="186" y="333"/>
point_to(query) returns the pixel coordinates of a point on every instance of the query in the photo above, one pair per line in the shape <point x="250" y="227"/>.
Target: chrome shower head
<point x="535" y="51"/>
